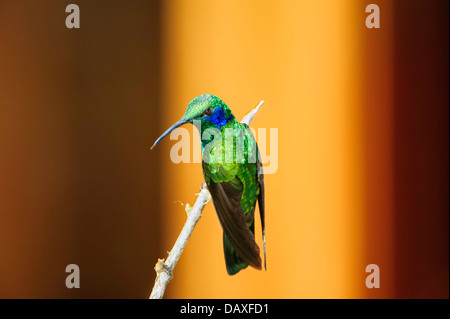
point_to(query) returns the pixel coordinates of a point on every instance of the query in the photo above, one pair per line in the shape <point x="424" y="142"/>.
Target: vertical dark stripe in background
<point x="378" y="108"/>
<point x="78" y="182"/>
<point x="421" y="149"/>
<point x="115" y="61"/>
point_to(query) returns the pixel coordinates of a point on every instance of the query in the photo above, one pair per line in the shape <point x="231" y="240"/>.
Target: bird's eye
<point x="208" y="111"/>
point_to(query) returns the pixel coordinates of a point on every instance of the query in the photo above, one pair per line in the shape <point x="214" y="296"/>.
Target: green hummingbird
<point x="233" y="173"/>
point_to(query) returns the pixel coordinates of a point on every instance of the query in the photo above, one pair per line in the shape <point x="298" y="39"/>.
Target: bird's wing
<point x="227" y="202"/>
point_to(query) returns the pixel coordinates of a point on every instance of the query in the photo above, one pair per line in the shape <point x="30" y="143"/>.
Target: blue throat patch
<point x="217" y="118"/>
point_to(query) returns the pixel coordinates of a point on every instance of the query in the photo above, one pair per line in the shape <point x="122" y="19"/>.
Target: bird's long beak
<point x="170" y="129"/>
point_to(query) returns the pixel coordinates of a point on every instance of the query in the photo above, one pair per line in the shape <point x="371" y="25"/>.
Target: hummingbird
<point x="233" y="174"/>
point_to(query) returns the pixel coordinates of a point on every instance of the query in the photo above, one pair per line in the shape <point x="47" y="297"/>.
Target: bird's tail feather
<point x="233" y="262"/>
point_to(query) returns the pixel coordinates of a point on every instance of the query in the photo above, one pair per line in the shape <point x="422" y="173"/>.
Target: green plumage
<point x="233" y="173"/>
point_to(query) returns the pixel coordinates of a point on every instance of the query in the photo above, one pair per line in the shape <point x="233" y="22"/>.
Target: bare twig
<point x="249" y="117"/>
<point x="164" y="269"/>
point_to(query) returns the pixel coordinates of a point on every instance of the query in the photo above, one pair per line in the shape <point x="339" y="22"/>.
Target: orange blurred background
<point x="362" y="119"/>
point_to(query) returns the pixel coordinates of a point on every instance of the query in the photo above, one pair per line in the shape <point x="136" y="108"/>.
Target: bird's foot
<point x="201" y="188"/>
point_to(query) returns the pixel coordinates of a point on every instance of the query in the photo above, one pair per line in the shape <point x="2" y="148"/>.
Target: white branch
<point x="249" y="117"/>
<point x="164" y="269"/>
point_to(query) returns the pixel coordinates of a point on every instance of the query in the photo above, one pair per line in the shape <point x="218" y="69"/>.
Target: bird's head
<point x="203" y="108"/>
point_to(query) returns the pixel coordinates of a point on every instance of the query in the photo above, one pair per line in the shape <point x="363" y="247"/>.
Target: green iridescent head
<point x="201" y="106"/>
<point x="206" y="108"/>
